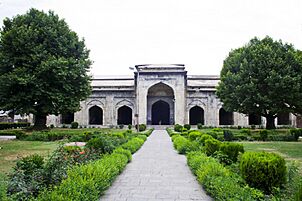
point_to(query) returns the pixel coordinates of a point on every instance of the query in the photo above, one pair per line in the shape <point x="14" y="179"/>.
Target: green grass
<point x="11" y="150"/>
<point x="289" y="150"/>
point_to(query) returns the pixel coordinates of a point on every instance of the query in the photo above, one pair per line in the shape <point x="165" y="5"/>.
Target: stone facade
<point x="157" y="94"/>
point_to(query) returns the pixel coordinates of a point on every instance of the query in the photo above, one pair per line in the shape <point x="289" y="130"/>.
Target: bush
<point x="218" y="181"/>
<point x="298" y="196"/>
<point x="121" y="126"/>
<point x="296" y="133"/>
<point x="232" y="150"/>
<point x="142" y="127"/>
<point x="20" y="135"/>
<point x="203" y="138"/>
<point x="74" y="125"/>
<point x="127" y="153"/>
<point x="246" y="131"/>
<point x="263" y="135"/>
<point x="228" y="135"/>
<point x="129" y="127"/>
<point x="102" y="144"/>
<point x="88" y="182"/>
<point x="263" y="170"/>
<point x="178" y="128"/>
<point x="199" y="126"/>
<point x="143" y="137"/>
<point x="187" y="126"/>
<point x="211" y="145"/>
<point x="133" y="145"/>
<point x="25" y="181"/>
<point x="194" y="135"/>
<point x="183" y="145"/>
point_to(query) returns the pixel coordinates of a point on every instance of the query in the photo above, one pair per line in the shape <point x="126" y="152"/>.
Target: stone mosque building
<point x="158" y="95"/>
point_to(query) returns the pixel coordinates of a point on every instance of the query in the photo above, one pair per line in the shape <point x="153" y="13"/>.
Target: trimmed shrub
<point x="20" y="135"/>
<point x="121" y="126"/>
<point x="218" y="181"/>
<point x="129" y="127"/>
<point x="228" y="135"/>
<point x="183" y="145"/>
<point x="142" y="127"/>
<point x="263" y="170"/>
<point x="232" y="150"/>
<point x="143" y="137"/>
<point x="211" y="145"/>
<point x="178" y="128"/>
<point x="74" y="125"/>
<point x="194" y="135"/>
<point x="203" y="138"/>
<point x="187" y="126"/>
<point x="5" y="125"/>
<point x="246" y="131"/>
<point x="199" y="126"/>
<point x="296" y="133"/>
<point x="263" y="135"/>
<point x="133" y="145"/>
<point x="127" y="153"/>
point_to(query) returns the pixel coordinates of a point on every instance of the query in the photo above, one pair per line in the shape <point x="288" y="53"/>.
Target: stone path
<point x="7" y="137"/>
<point x="157" y="172"/>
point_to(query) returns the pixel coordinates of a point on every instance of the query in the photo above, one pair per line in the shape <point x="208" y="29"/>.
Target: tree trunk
<point x="40" y="122"/>
<point x="270" y="122"/>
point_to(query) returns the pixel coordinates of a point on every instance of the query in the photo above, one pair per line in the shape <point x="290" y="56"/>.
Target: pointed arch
<point x="196" y="115"/>
<point x="124" y="115"/>
<point x="95" y="115"/>
<point x="225" y="117"/>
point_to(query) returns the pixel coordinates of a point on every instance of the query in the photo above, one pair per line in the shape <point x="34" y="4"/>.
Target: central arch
<point x="95" y="115"/>
<point x="160" y="113"/>
<point x="196" y="115"/>
<point x="160" y="104"/>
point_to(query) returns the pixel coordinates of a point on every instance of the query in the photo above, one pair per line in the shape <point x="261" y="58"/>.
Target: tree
<point x="264" y="78"/>
<point x="43" y="66"/>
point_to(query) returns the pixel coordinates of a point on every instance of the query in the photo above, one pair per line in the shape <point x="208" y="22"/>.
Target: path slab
<point x="157" y="173"/>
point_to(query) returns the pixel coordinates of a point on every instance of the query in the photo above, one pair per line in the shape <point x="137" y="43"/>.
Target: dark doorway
<point x="124" y="115"/>
<point x="160" y="113"/>
<point x="95" y="115"/>
<point x="196" y="116"/>
<point x="225" y="118"/>
<point x="283" y="119"/>
<point x="67" y="118"/>
<point x="254" y="119"/>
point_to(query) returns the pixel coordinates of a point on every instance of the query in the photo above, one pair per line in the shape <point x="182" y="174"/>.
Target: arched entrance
<point x="160" y="113"/>
<point x="160" y="105"/>
<point x="95" y="115"/>
<point x="283" y="119"/>
<point x="124" y="115"/>
<point x="254" y="119"/>
<point x="225" y="118"/>
<point x="196" y="115"/>
<point x="67" y="118"/>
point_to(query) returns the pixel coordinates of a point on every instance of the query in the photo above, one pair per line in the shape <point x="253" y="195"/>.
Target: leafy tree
<point x="263" y="77"/>
<point x="43" y="66"/>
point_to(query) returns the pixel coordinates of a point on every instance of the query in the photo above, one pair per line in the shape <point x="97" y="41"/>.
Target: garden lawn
<point x="289" y="150"/>
<point x="11" y="150"/>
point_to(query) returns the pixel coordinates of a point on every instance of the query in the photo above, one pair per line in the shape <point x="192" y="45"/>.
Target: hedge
<point x="133" y="145"/>
<point x="183" y="145"/>
<point x="5" y="125"/>
<point x="88" y="182"/>
<point x="219" y="182"/>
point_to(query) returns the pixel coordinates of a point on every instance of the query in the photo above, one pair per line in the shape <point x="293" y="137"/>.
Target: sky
<point x="198" y="33"/>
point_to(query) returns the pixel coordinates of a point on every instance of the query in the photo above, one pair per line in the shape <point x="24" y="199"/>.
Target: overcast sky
<point x="199" y="34"/>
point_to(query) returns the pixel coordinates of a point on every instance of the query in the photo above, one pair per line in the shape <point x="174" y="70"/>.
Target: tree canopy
<point x="264" y="77"/>
<point x="43" y="66"/>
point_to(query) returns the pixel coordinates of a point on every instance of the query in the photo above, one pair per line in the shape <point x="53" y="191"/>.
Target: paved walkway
<point x="158" y="173"/>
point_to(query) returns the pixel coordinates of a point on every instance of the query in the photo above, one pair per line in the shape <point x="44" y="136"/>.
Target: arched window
<point x="124" y="115"/>
<point x="225" y="118"/>
<point x="196" y="115"/>
<point x="95" y="115"/>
